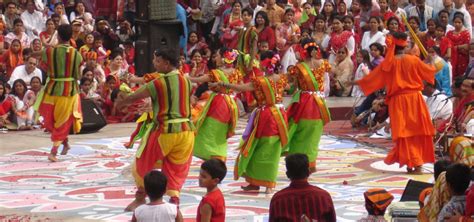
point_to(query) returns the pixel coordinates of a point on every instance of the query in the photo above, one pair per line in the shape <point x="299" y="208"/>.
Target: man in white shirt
<point x="393" y="7"/>
<point x="423" y="12"/>
<point x="459" y="6"/>
<point x="33" y="21"/>
<point x="439" y="105"/>
<point x="437" y="5"/>
<point x="253" y="4"/>
<point x="26" y="71"/>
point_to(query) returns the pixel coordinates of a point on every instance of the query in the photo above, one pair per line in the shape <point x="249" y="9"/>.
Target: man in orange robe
<point x="412" y="129"/>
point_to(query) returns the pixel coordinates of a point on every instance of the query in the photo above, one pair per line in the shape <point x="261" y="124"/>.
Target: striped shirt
<point x="302" y="198"/>
<point x="170" y="94"/>
<point x="63" y="70"/>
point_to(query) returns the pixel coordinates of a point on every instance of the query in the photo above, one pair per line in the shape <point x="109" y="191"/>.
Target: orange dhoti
<point x="170" y="152"/>
<point x="60" y="113"/>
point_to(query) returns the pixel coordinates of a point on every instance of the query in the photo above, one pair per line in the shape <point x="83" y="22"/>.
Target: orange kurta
<point x="412" y="129"/>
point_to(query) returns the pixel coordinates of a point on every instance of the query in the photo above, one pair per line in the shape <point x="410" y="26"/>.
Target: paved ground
<point x="93" y="182"/>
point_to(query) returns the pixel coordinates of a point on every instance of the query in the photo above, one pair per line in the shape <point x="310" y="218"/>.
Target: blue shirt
<point x="443" y="79"/>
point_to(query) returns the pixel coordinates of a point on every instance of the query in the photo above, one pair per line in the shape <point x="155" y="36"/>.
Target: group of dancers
<point x="170" y="137"/>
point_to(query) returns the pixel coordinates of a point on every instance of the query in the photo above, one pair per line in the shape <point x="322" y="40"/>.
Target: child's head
<point x="440" y="30"/>
<point x="155" y="184"/>
<point x="458" y="177"/>
<point x="111" y="81"/>
<point x="263" y="46"/>
<point x="85" y="84"/>
<point x="98" y="41"/>
<point x="212" y="173"/>
<point x="90" y="39"/>
<point x="440" y="166"/>
<point x="363" y="57"/>
<point x="376" y="49"/>
<point x="305" y="33"/>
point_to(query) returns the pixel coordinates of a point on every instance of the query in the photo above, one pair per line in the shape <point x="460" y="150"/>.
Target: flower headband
<point x="270" y="64"/>
<point x="309" y="44"/>
<point x="230" y="56"/>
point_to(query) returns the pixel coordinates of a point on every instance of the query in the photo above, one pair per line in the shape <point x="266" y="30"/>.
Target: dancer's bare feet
<point x="66" y="147"/>
<point x="268" y="190"/>
<point x="250" y="187"/>
<point x="418" y="170"/>
<point x="134" y="204"/>
<point x="52" y="157"/>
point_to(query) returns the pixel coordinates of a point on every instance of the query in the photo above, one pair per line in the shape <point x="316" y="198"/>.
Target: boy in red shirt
<point x="212" y="205"/>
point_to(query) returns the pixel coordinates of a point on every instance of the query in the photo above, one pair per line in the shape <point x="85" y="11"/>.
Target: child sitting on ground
<point x="212" y="205"/>
<point x="458" y="177"/>
<point x="157" y="210"/>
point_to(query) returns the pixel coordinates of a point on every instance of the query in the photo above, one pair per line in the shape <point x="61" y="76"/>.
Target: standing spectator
<point x="444" y="18"/>
<point x="458" y="177"/>
<point x="33" y="20"/>
<point x="208" y="8"/>
<point x="319" y="33"/>
<point x="338" y="39"/>
<point x="342" y="74"/>
<point x="212" y="205"/>
<point x="423" y="12"/>
<point x="376" y="202"/>
<point x="300" y="194"/>
<point x="275" y="13"/>
<point x="307" y="19"/>
<point x="18" y="33"/>
<point x="329" y="11"/>
<point x="265" y="32"/>
<point x="26" y="71"/>
<point x="11" y="15"/>
<point x="157" y="210"/>
<point x="459" y="6"/>
<point x="460" y="39"/>
<point x="368" y="8"/>
<point x="437" y="5"/>
<point x="232" y="25"/>
<point x="393" y="7"/>
<point x="373" y="35"/>
<point x="253" y="4"/>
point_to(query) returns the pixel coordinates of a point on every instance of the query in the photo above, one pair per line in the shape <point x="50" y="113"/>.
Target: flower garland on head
<point x="230" y="56"/>
<point x="304" y="52"/>
<point x="271" y="64"/>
